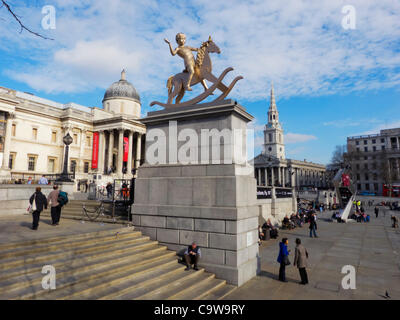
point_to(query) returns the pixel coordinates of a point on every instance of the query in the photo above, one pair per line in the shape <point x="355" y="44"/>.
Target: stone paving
<point x="372" y="248"/>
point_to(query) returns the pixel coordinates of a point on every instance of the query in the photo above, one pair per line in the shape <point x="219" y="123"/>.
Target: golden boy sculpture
<point x="185" y="52"/>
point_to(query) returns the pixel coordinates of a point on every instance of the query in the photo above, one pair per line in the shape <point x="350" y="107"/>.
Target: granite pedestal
<point x="195" y="187"/>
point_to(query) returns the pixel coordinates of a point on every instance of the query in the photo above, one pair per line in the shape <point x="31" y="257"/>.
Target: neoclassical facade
<point x="271" y="167"/>
<point x="32" y="131"/>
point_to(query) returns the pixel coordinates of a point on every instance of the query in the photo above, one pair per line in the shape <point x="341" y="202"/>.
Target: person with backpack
<point x="37" y="201"/>
<point x="57" y="199"/>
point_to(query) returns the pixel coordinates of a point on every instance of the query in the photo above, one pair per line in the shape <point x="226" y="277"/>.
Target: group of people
<point x="300" y="260"/>
<point x="267" y="231"/>
<point x="359" y="214"/>
<point x="38" y="202"/>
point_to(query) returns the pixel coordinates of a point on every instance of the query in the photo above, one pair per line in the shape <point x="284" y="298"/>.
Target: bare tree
<point x="388" y="171"/>
<point x="17" y="18"/>
<point x="337" y="155"/>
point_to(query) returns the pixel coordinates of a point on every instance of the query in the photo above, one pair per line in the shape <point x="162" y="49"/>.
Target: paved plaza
<point x="372" y="248"/>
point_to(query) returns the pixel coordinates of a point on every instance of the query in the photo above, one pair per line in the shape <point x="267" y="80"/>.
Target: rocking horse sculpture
<point x="196" y="71"/>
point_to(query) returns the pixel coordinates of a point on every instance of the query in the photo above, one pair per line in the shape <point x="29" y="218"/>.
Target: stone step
<point x="198" y="290"/>
<point x="29" y="250"/>
<point x="19" y="282"/>
<point x="220" y="293"/>
<point x="162" y="292"/>
<point x="63" y="238"/>
<point x="104" y="219"/>
<point x="95" y="288"/>
<point x="72" y="253"/>
<point x="77" y="282"/>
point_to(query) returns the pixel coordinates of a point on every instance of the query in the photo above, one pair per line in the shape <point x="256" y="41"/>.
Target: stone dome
<point x="122" y="89"/>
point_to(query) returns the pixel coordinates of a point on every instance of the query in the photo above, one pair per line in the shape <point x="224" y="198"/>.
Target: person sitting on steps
<point x="192" y="256"/>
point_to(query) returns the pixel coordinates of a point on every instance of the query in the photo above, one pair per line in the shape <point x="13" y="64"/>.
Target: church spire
<point x="272" y="105"/>
<point x="123" y="74"/>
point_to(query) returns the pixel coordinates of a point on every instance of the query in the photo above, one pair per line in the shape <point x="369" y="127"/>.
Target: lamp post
<point x="64" y="175"/>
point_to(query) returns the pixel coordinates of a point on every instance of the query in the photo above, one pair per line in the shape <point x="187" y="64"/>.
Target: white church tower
<point x="273" y="133"/>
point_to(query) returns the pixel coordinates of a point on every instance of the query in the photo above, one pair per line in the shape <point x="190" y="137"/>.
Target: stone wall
<point x="14" y="198"/>
<point x="275" y="209"/>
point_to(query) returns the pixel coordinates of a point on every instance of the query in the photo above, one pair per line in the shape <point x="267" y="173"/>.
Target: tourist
<point x="283" y="259"/>
<point x="268" y="227"/>
<point x="37" y="202"/>
<point x="395" y="222"/>
<point x="192" y="256"/>
<point x="29" y="180"/>
<point x="300" y="260"/>
<point x="109" y="188"/>
<point x="376" y="212"/>
<point x="286" y="223"/>
<point x="261" y="235"/>
<point x="313" y="225"/>
<point x="43" y="180"/>
<point x="55" y="206"/>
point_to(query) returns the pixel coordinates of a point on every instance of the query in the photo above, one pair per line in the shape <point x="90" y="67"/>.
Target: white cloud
<point x="378" y="128"/>
<point x="298" y="138"/>
<point x="299" y="45"/>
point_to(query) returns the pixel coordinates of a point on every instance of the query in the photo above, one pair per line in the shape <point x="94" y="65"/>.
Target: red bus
<point x="395" y="191"/>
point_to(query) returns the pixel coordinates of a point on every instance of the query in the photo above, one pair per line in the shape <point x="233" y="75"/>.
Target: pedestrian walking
<point x="313" y="226"/>
<point x="37" y="202"/>
<point x="376" y="211"/>
<point x="300" y="261"/>
<point x="43" y="180"/>
<point x="55" y="206"/>
<point x="283" y="259"/>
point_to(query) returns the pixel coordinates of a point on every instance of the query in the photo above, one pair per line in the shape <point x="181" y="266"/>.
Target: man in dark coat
<point x="40" y="202"/>
<point x="192" y="256"/>
<point x="300" y="260"/>
<point x="376" y="211"/>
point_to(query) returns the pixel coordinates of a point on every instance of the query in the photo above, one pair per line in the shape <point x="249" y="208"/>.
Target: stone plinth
<point x="195" y="193"/>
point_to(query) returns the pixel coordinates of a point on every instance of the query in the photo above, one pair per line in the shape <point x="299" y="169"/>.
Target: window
<point x="51" y="165"/>
<point x="365" y="165"/>
<point x="367" y="186"/>
<point x="374" y="165"/>
<point x="359" y="186"/>
<point x="366" y="149"/>
<point x="358" y="176"/>
<point x="86" y="167"/>
<point x="358" y="149"/>
<point x="366" y="177"/>
<point x="375" y="186"/>
<point x="374" y="148"/>
<point x="373" y="141"/>
<point x="365" y="158"/>
<point x="365" y="141"/>
<point x="270" y="137"/>
<point x="375" y="177"/>
<point x="11" y="161"/>
<point x="357" y="166"/>
<point x="13" y="129"/>
<point x="383" y="147"/>
<point x="75" y="137"/>
<point x="73" y="166"/>
<point x="382" y="140"/>
<point x="88" y="141"/>
<point x="54" y="136"/>
<point x="31" y="163"/>
<point x="34" y="133"/>
<point x="357" y="143"/>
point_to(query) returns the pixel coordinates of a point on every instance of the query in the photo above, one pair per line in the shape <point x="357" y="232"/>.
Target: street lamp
<point x="64" y="175"/>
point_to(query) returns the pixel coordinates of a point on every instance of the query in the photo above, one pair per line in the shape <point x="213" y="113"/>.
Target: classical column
<point x="110" y="149"/>
<point x="272" y="177"/>
<point x="130" y="152"/>
<point x="279" y="176"/>
<point x="283" y="176"/>
<point x="266" y="176"/>
<point x="82" y="151"/>
<point x="7" y="141"/>
<point x="138" y="150"/>
<point x="102" y="147"/>
<point x="120" y="151"/>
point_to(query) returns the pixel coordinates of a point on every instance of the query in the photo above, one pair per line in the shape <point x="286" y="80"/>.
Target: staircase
<point x="113" y="264"/>
<point x="73" y="210"/>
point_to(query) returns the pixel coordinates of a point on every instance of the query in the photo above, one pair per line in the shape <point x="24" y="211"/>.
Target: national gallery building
<point x="271" y="167"/>
<point x="107" y="143"/>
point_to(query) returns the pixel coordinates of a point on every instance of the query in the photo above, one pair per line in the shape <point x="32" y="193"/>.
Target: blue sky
<point x="329" y="82"/>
